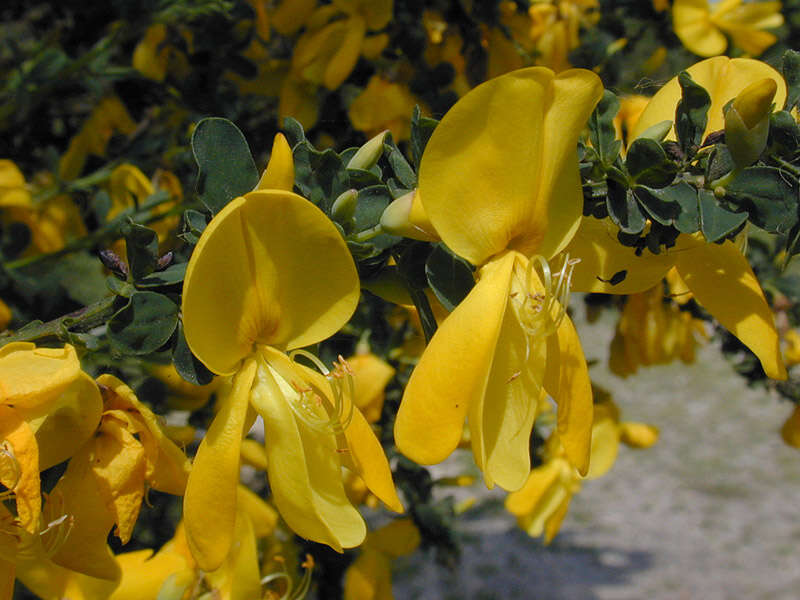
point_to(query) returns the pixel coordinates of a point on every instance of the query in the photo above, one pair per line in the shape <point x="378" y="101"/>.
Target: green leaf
<point x="601" y="128"/>
<point x="790" y="66"/>
<point x="361" y="179"/>
<point x="142" y="249"/>
<point x="649" y="165"/>
<point x="172" y="275"/>
<point x="186" y="364"/>
<point x="691" y="114"/>
<point x="769" y="195"/>
<point x="226" y="167"/>
<point x="194" y="224"/>
<point x="784" y="134"/>
<point x="82" y="277"/>
<point x="449" y="276"/>
<point x="421" y="130"/>
<point x="688" y="221"/>
<point x="623" y="209"/>
<point x="717" y="222"/>
<point x="402" y="170"/>
<point x="658" y="203"/>
<point x="720" y="164"/>
<point x="320" y="176"/>
<point x="143" y="325"/>
<point x="372" y="201"/>
<point x="293" y="131"/>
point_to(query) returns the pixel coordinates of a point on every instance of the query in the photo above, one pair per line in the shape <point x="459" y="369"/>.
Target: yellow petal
<point x="638" y="435"/>
<point x="504" y="155"/>
<point x="23" y="476"/>
<point x="369" y="577"/>
<point x="539" y="481"/>
<point x="790" y="431"/>
<point x="605" y="446"/>
<point x="724" y="284"/>
<point x="127" y="185"/>
<point x="501" y="419"/>
<point x="13" y="191"/>
<point x="399" y="538"/>
<point x="119" y="463"/>
<point x="167" y="465"/>
<point x="70" y="423"/>
<point x="266" y="250"/>
<point x="32" y="378"/>
<point x="368" y="460"/>
<point x="454" y="369"/>
<point x="144" y="574"/>
<point x="692" y="24"/>
<point x="344" y="60"/>
<point x="723" y="78"/>
<point x="262" y="515"/>
<point x="279" y="174"/>
<point x="86" y="501"/>
<point x="238" y="578"/>
<point x="603" y="260"/>
<point x="304" y="469"/>
<point x="371" y="375"/>
<point x="567" y="381"/>
<point x="209" y="506"/>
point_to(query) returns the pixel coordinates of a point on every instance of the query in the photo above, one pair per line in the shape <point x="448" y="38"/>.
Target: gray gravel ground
<point x="709" y="512"/>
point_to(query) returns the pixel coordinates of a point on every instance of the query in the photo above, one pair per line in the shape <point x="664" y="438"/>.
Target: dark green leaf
<point x="791" y="73"/>
<point x="194" y="225"/>
<point x="685" y="195"/>
<point x="142" y="249"/>
<point x="293" y="131"/>
<point x="658" y="203"/>
<point x="372" y="201"/>
<point x="226" y="167"/>
<point x="648" y="164"/>
<point x="144" y="325"/>
<point x="691" y="115"/>
<point x="720" y="164"/>
<point x="623" y="209"/>
<point x="717" y="222"/>
<point x="360" y="178"/>
<point x="320" y="176"/>
<point x="172" y="275"/>
<point x="769" y="195"/>
<point x="449" y="276"/>
<point x="402" y="170"/>
<point x="601" y="128"/>
<point x="784" y="134"/>
<point x="421" y="130"/>
<point x="186" y="364"/>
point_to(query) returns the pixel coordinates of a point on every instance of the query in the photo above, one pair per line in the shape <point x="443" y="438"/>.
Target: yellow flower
<point x="791" y="353"/>
<point x="328" y="51"/>
<point x="105" y="481"/>
<point x="48" y="409"/>
<point x="542" y="503"/>
<point x="383" y="104"/>
<point x="747" y="122"/>
<point x="51" y="222"/>
<point x="109" y="117"/>
<point x="182" y="395"/>
<point x="713" y="273"/>
<point x="630" y="109"/>
<point x="370" y="575"/>
<point x="702" y="25"/>
<point x="499" y="182"/>
<point x="651" y="331"/>
<point x="289" y="282"/>
<point x="371" y="375"/>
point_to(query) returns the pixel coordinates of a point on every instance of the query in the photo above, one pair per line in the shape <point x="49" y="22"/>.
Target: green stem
<point x="367" y="234"/>
<point x="794" y="170"/>
<point x="80" y="320"/>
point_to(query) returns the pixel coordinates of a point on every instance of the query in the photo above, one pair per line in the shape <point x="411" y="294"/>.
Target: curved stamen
<point x="541" y="314"/>
<point x="339" y="407"/>
<point x="56" y="530"/>
<point x="283" y="574"/>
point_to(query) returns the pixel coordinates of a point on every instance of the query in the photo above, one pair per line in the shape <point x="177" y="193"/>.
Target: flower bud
<point x="406" y="216"/>
<point x="747" y="122"/>
<point x="344" y="207"/>
<point x="369" y="153"/>
<point x="657" y="132"/>
<point x="638" y="435"/>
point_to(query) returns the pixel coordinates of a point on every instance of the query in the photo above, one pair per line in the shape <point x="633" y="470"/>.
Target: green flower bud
<point x="747" y="122"/>
<point x="366" y="156"/>
<point x="344" y="207"/>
